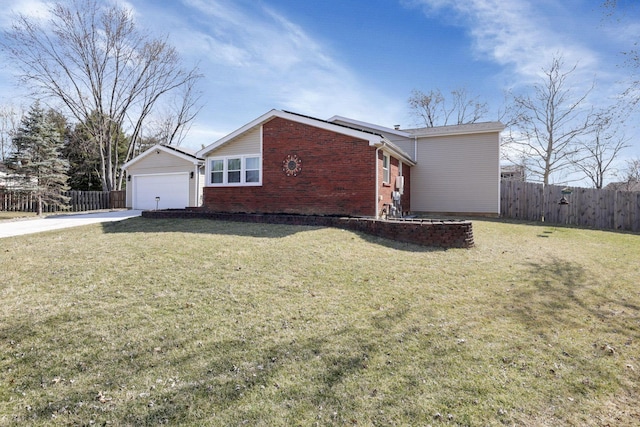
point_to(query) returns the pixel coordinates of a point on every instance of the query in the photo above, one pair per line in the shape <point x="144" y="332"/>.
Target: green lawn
<point x="197" y="322"/>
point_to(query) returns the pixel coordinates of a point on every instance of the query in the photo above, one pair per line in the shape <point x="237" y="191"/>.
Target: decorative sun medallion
<point x="292" y="165"/>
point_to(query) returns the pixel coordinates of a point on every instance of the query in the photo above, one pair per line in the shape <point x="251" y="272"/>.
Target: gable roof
<point x="356" y="128"/>
<point x="374" y="139"/>
<point x="484" y="127"/>
<point x="184" y="150"/>
<point x="364" y="125"/>
<point x="180" y="152"/>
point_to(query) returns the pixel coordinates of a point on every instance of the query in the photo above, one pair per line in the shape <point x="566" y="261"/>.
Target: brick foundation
<point x="435" y="233"/>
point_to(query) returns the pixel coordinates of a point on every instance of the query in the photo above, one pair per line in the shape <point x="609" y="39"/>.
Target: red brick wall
<point x="385" y="189"/>
<point x="337" y="176"/>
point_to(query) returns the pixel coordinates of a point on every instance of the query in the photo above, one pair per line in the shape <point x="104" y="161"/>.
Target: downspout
<point x="203" y="178"/>
<point x="378" y="179"/>
<point x="196" y="179"/>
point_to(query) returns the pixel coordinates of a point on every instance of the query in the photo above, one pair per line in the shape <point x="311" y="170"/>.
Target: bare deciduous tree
<point x="433" y="109"/>
<point x="9" y="122"/>
<point x="622" y="14"/>
<point x="545" y="128"/>
<point x="631" y="174"/>
<point x="173" y="122"/>
<point x="599" y="150"/>
<point x="94" y="60"/>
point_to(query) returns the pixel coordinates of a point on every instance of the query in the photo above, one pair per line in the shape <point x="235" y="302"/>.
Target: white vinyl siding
<point x="405" y="144"/>
<point x="161" y="162"/>
<point x="245" y="144"/>
<point x="457" y="174"/>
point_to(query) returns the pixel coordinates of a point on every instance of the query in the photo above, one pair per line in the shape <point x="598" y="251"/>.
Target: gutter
<point x="394" y="150"/>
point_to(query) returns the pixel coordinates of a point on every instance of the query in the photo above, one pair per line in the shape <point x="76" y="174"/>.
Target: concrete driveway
<point x="55" y="222"/>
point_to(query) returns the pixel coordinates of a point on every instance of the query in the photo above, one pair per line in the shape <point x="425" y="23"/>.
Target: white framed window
<point x="217" y="171"/>
<point x="235" y="170"/>
<point x="252" y="169"/>
<point x="385" y="168"/>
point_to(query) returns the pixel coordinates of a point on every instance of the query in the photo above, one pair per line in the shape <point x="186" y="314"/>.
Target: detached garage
<point x="164" y="177"/>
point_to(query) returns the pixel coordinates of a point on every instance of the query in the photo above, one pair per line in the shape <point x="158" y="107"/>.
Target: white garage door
<point x="172" y="189"/>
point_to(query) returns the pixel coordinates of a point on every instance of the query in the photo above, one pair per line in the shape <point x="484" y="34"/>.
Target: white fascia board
<point x="371" y="138"/>
<point x="165" y="150"/>
<point x="472" y="128"/>
<point x="365" y="125"/>
<point x="262" y="119"/>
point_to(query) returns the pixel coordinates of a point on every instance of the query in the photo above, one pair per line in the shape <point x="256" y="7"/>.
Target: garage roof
<point x="181" y="152"/>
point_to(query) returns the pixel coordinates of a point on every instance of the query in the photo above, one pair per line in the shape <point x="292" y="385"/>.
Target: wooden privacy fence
<point x="26" y="201"/>
<point x="587" y="207"/>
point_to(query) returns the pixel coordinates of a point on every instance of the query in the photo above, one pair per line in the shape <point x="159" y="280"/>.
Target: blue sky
<point x="362" y="58"/>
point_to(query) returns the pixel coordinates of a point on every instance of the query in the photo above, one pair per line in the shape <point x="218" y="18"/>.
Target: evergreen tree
<point x="37" y="158"/>
<point x="83" y="154"/>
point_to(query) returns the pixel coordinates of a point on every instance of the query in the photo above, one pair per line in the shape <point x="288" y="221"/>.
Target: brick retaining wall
<point x="436" y="233"/>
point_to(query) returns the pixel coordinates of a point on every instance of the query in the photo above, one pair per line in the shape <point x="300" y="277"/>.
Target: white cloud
<point x="30" y="8"/>
<point x="10" y="93"/>
<point x="254" y="59"/>
<point x="254" y="54"/>
<point x="520" y="34"/>
<point x="523" y="36"/>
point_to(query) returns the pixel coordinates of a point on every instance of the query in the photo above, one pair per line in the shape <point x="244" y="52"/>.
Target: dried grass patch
<point x="200" y="322"/>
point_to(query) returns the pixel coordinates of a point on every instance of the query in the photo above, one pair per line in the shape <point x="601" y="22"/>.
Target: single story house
<point x="9" y="180"/>
<point x="164" y="177"/>
<point x="284" y="162"/>
<point x="513" y="173"/>
<point x="623" y="186"/>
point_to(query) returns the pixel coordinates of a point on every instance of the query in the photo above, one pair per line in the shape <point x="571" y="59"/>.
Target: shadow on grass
<point x="293" y="378"/>
<point x="244" y="229"/>
<point x="560" y="294"/>
<point x="225" y="379"/>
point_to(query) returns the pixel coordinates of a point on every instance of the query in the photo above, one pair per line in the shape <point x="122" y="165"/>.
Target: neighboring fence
<point x="587" y="207"/>
<point x="118" y="199"/>
<point x="26" y="201"/>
